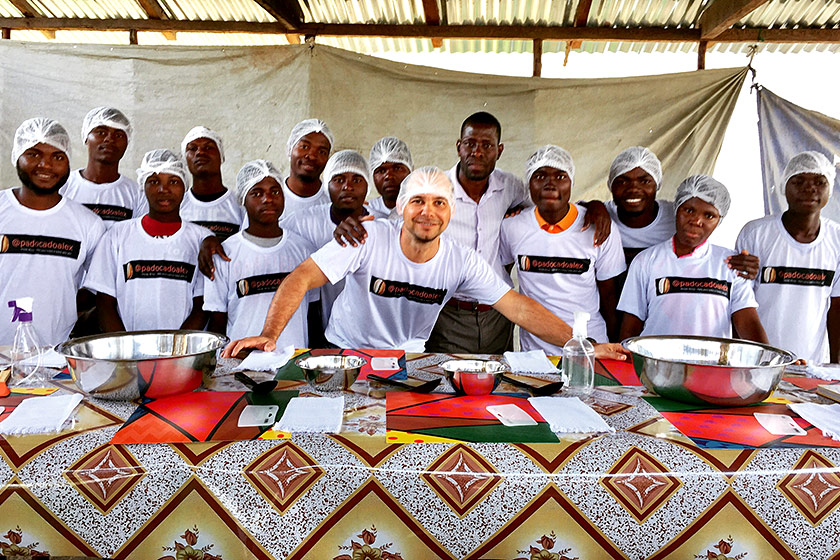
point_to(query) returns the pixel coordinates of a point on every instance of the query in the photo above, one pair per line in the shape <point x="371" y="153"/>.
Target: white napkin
<point x="312" y="414"/>
<point x="534" y="361"/>
<point x="826" y="417"/>
<point x="829" y="372"/>
<point x="49" y="359"/>
<point x="266" y="361"/>
<point x="40" y="415"/>
<point x="569" y="415"/>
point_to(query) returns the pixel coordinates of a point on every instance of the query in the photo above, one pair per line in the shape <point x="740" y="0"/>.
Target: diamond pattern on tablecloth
<point x="461" y="478"/>
<point x="813" y="487"/>
<point x="369" y="449"/>
<point x="283" y="474"/>
<point x="197" y="453"/>
<point x="105" y="475"/>
<point x="640" y="483"/>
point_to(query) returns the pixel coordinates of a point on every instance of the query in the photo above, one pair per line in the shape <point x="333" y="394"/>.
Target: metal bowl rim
<point x="790" y="357"/>
<point x="501" y="366"/>
<point x="304" y="358"/>
<point x="221" y="339"/>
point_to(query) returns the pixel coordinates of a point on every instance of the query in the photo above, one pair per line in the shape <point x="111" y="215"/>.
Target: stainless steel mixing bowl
<point x="331" y="373"/>
<point x="473" y="377"/>
<point x="154" y="364"/>
<point x="705" y="370"/>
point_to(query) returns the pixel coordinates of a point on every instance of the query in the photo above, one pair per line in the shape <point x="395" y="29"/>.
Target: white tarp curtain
<point x="784" y="130"/>
<point x="254" y="95"/>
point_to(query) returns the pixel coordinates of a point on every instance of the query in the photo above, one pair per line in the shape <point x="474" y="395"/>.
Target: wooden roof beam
<point x="286" y="12"/>
<point x="431" y="13"/>
<point x="582" y="12"/>
<point x="28" y="11"/>
<point x="720" y="15"/>
<point x="153" y="9"/>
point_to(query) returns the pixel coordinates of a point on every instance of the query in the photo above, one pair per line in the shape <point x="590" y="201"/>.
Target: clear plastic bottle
<point x="26" y="348"/>
<point x="579" y="360"/>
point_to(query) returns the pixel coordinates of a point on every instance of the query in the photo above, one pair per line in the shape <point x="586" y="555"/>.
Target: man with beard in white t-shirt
<point x="397" y="281"/>
<point x="798" y="290"/>
<point x="46" y="240"/>
<point x="261" y="257"/>
<point x="99" y="185"/>
<point x="208" y="202"/>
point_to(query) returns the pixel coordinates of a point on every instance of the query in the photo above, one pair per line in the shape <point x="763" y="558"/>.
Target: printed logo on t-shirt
<point x="796" y="276"/>
<point x="553" y="265"/>
<point x="111" y="213"/>
<point x="40" y="245"/>
<point x="172" y="270"/>
<point x="678" y="285"/>
<point x="394" y="289"/>
<point x="222" y="230"/>
<point x="261" y="284"/>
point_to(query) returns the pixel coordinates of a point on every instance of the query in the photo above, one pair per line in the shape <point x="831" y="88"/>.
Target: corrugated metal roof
<point x="602" y="13"/>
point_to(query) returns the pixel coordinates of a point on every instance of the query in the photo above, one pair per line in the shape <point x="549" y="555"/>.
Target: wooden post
<point x="537" y="57"/>
<point x="701" y="55"/>
<point x="7" y="33"/>
<point x="132" y="36"/>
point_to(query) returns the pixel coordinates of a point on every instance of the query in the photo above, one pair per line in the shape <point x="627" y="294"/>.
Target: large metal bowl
<point x="705" y="370"/>
<point x="331" y="373"/>
<point x="473" y="377"/>
<point x="153" y="364"/>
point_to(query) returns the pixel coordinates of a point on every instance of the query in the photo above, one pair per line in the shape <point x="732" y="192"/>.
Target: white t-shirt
<point x="113" y="202"/>
<point x="376" y="207"/>
<point x="660" y="229"/>
<point x="245" y="285"/>
<point x="795" y="284"/>
<point x="560" y="270"/>
<point x="391" y="302"/>
<point x="44" y="255"/>
<point x="296" y="203"/>
<point x="154" y="279"/>
<point x="223" y="216"/>
<point x="693" y="295"/>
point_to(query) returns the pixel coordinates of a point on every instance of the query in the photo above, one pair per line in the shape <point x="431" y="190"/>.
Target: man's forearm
<point x="288" y="296"/>
<point x="534" y="318"/>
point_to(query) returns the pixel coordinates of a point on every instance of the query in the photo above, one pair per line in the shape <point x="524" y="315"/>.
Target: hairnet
<point x="550" y="156"/>
<point x="426" y="180"/>
<point x="706" y="189"/>
<point x="252" y="173"/>
<point x="39" y="130"/>
<point x="810" y="162"/>
<point x="105" y="116"/>
<point x="347" y="161"/>
<point x="203" y="132"/>
<point x="390" y="150"/>
<point x="308" y="126"/>
<point x="162" y="161"/>
<point x="633" y="157"/>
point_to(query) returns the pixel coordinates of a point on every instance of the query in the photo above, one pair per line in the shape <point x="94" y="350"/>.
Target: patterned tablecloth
<point x="644" y="491"/>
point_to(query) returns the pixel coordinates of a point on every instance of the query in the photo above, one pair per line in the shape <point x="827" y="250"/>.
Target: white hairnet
<point x="390" y="150"/>
<point x="252" y="173"/>
<point x="39" y="130"/>
<point x="308" y="126"/>
<point x="203" y="132"/>
<point x="162" y="161"/>
<point x="706" y="189"/>
<point x="809" y="162"/>
<point x="633" y="157"/>
<point x="105" y="116"/>
<point x="426" y="180"/>
<point x="347" y="161"/>
<point x="550" y="156"/>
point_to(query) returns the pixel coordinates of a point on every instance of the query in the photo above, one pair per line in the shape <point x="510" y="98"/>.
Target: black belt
<point x="469" y="305"/>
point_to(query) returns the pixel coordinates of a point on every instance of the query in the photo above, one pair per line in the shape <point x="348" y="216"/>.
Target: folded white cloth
<point x="825" y="417"/>
<point x="829" y="372"/>
<point x="266" y="361"/>
<point x="312" y="414"/>
<point x="534" y="361"/>
<point x="40" y="415"/>
<point x="569" y="415"/>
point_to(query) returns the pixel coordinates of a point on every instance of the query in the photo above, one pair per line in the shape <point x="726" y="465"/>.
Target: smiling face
<point x="265" y="202"/>
<point x="310" y="155"/>
<point x="696" y="220"/>
<point x="387" y="179"/>
<point x="426" y="216"/>
<point x="551" y="189"/>
<point x="43" y="169"/>
<point x="106" y="145"/>
<point x="807" y="193"/>
<point x="634" y="192"/>
<point x="348" y="191"/>
<point x="479" y="149"/>
<point x="203" y="157"/>
<point x="164" y="191"/>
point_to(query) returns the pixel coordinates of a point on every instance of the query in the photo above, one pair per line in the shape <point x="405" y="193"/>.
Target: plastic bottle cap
<point x="579" y="326"/>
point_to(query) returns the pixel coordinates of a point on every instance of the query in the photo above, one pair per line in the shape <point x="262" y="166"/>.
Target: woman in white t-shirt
<point x="683" y="286"/>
